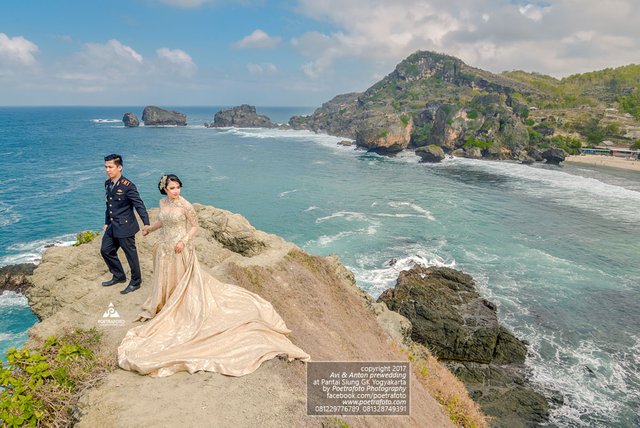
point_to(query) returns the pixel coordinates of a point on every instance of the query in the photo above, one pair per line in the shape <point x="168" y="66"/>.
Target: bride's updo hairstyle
<point x="164" y="182"/>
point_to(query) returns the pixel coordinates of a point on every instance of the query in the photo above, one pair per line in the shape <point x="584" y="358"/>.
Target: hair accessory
<point x="163" y="182"/>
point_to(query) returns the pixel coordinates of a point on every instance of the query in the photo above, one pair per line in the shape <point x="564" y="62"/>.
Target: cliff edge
<point x="316" y="296"/>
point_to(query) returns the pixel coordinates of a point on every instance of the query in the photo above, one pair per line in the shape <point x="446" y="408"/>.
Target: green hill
<point x="436" y="99"/>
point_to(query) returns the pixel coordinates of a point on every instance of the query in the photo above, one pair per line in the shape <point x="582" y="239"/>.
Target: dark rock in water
<point x="525" y="159"/>
<point x="243" y="116"/>
<point x="16" y="277"/>
<point x="461" y="328"/>
<point x="130" y="120"/>
<point x="554" y="156"/>
<point x="535" y="154"/>
<point x="431" y="153"/>
<point x="155" y="116"/>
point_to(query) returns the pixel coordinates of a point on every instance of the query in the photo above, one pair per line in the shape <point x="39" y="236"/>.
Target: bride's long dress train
<point x="197" y="322"/>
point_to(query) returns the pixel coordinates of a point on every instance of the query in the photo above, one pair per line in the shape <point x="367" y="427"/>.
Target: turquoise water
<point x="555" y="248"/>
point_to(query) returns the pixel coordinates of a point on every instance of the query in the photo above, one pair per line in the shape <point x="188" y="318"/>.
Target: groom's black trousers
<point x="109" y="249"/>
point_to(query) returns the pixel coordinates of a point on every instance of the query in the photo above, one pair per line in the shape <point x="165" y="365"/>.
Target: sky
<point x="286" y="52"/>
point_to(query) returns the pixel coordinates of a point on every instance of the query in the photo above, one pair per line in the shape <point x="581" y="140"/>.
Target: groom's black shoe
<point x="130" y="288"/>
<point x="113" y="281"/>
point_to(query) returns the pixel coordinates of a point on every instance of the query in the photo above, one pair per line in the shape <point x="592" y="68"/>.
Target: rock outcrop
<point x="316" y="296"/>
<point x="431" y="153"/>
<point x="16" y="278"/>
<point x="462" y="330"/>
<point x="130" y="120"/>
<point x="243" y="116"/>
<point x="155" y="116"/>
<point x="554" y="156"/>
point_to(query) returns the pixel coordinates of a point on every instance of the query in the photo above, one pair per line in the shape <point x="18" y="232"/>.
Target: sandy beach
<point x="605" y="161"/>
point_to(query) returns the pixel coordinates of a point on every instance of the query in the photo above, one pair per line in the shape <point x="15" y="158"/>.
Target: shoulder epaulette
<point x="125" y="182"/>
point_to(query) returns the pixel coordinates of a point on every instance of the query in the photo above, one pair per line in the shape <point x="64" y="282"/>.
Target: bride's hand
<point x="179" y="247"/>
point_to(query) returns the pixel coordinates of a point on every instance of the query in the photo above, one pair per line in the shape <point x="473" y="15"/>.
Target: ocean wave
<point x="31" y="252"/>
<point x="347" y="215"/>
<point x="13" y="299"/>
<point x="608" y="200"/>
<point x="417" y="208"/>
<point x="377" y="272"/>
<point x="8" y="215"/>
<point x="285" y="193"/>
<point x="588" y="378"/>
<point x="311" y="208"/>
<point x="284" y="134"/>
<point x="106" y="120"/>
<point x="326" y="240"/>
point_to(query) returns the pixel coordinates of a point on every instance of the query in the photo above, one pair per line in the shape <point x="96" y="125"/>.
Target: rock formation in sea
<point x="328" y="315"/>
<point x="461" y="328"/>
<point x="243" y="116"/>
<point x="431" y="153"/>
<point x="130" y="120"/>
<point x="155" y="116"/>
<point x="554" y="156"/>
<point x="432" y="98"/>
<point x="16" y="278"/>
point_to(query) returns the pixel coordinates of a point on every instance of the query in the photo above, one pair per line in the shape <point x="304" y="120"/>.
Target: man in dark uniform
<point x="120" y="224"/>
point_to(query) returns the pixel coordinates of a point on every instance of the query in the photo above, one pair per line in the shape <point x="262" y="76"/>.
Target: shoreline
<point x="604" y="161"/>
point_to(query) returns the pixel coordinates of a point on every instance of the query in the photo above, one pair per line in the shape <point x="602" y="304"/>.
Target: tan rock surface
<point x="330" y="318"/>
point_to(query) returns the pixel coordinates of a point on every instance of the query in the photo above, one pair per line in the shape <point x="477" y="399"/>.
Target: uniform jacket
<point x="121" y="200"/>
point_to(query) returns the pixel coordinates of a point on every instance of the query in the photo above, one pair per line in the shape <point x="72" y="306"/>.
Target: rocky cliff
<point x="431" y="98"/>
<point x="330" y="318"/>
<point x="462" y="330"/>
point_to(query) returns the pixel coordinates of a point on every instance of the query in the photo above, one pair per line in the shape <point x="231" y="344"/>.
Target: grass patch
<point x="40" y="385"/>
<point x="445" y="388"/>
<point x="335" y="423"/>
<point x="313" y="263"/>
<point x="85" y="237"/>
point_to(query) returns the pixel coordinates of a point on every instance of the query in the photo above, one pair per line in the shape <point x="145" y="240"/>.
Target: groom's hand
<point x="104" y="228"/>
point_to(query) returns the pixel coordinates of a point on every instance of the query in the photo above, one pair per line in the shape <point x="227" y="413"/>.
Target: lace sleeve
<point x="192" y="219"/>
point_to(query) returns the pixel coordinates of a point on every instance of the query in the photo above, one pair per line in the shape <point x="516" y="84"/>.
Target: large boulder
<point x="554" y="156"/>
<point x="130" y="120"/>
<point x="243" y="116"/>
<point x="461" y="328"/>
<point x="385" y="134"/>
<point x="155" y="116"/>
<point x="431" y="153"/>
<point x="473" y="152"/>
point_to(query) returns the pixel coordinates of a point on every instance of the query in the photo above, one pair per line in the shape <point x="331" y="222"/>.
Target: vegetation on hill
<point x="433" y="98"/>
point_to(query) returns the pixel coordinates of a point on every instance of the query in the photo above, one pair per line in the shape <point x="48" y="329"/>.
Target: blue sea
<point x="557" y="248"/>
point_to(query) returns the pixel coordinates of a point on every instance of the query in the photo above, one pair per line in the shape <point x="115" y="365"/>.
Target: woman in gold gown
<point x="193" y="321"/>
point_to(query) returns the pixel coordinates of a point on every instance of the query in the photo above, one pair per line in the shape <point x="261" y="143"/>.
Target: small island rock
<point x="243" y="116"/>
<point x="130" y="120"/>
<point x="154" y="116"/>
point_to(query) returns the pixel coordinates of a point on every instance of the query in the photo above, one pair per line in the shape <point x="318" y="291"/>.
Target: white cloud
<point x="257" y="40"/>
<point x="17" y="50"/>
<point x="187" y="4"/>
<point x="108" y="63"/>
<point x="533" y="12"/>
<point x="556" y="37"/>
<point x="178" y="61"/>
<point x="263" y="68"/>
